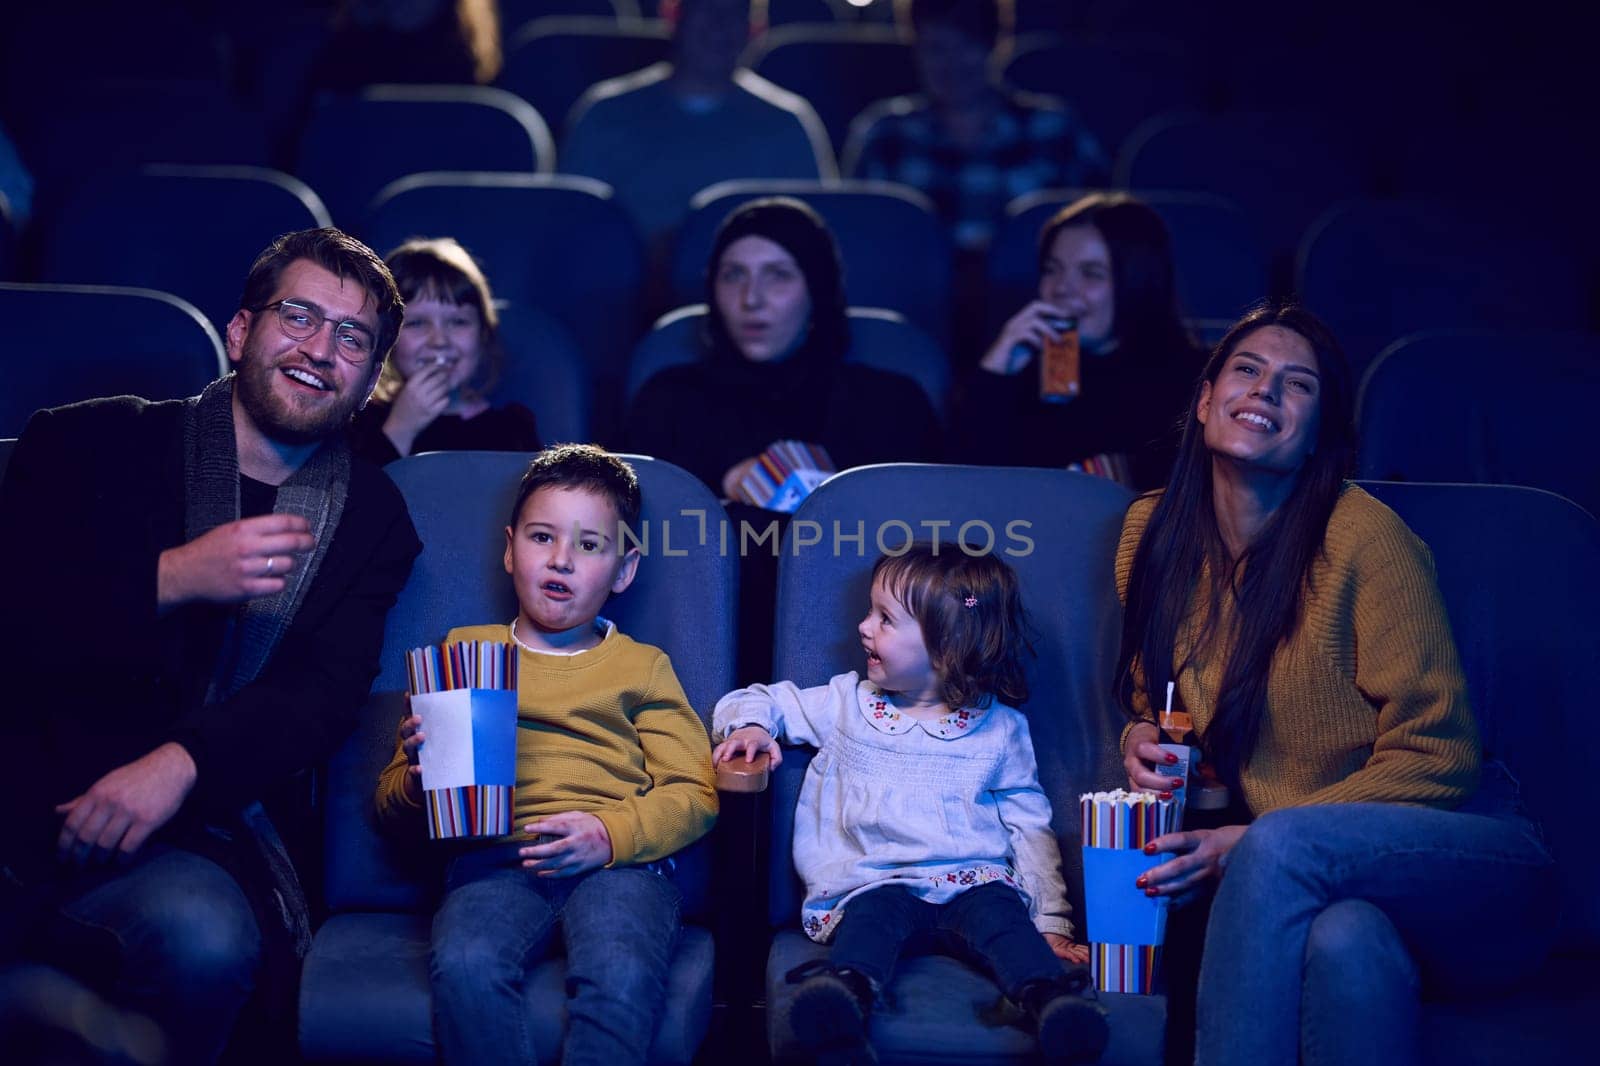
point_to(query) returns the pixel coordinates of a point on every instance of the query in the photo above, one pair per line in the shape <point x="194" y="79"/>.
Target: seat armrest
<point x="737" y="775"/>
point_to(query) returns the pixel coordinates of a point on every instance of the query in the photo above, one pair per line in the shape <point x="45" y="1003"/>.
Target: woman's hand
<point x="574" y="843"/>
<point x="1143" y="758"/>
<point x="1064" y="948"/>
<point x="1030" y="326"/>
<point x="750" y="741"/>
<point x="1202" y="855"/>
<point x="735" y="474"/>
<point x="424" y="397"/>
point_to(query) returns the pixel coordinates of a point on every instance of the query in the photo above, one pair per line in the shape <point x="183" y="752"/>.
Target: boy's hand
<point x="578" y="842"/>
<point x="1064" y="948"/>
<point x="749" y="741"/>
<point x="411" y="738"/>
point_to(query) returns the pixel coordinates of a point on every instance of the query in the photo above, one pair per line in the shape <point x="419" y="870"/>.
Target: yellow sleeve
<point x="395" y="808"/>
<point x="1427" y="748"/>
<point x="681" y="803"/>
<point x="1133" y="526"/>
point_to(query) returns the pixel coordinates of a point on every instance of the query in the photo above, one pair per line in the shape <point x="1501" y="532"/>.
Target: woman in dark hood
<point x="775" y="368"/>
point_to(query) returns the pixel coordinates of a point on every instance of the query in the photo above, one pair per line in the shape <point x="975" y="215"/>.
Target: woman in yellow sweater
<point x="1301" y="624"/>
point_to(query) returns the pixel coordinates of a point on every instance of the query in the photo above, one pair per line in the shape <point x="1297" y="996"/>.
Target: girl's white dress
<point x="938" y="807"/>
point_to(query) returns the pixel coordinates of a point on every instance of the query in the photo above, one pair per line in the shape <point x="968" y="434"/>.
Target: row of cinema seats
<point x="1440" y="405"/>
<point x="1376" y="270"/>
<point x="1528" y="648"/>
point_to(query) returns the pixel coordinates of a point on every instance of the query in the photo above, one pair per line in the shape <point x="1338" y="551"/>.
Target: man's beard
<point x="282" y="420"/>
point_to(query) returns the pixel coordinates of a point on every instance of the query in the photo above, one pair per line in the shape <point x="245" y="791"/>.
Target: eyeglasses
<point x="301" y="322"/>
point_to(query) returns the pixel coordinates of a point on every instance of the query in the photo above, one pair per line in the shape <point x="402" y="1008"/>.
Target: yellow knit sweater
<point x="607" y="731"/>
<point x="1366" y="702"/>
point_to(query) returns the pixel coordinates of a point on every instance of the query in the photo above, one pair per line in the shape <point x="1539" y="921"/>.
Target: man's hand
<point x="119" y="812"/>
<point x="578" y="842"/>
<point x="234" y="562"/>
<point x="1065" y="948"/>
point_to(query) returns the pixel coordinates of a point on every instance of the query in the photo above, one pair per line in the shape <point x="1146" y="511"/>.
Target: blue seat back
<point x="1113" y="83"/>
<point x="544" y="370"/>
<point x="460" y="502"/>
<point x="878" y="338"/>
<point x="1378" y="270"/>
<point x="514" y="13"/>
<point x="558" y="243"/>
<point x="1057" y="529"/>
<point x="840" y="70"/>
<point x="1216" y="253"/>
<point x="6" y="444"/>
<point x="1447" y="405"/>
<point x="1283" y="170"/>
<point x="101" y="126"/>
<point x="551" y="61"/>
<point x="192" y="231"/>
<point x="144" y="343"/>
<point x="1519" y="569"/>
<point x="896" y="252"/>
<point x="353" y="145"/>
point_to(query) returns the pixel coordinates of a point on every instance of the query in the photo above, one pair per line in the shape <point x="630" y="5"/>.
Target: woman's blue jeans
<point x="1329" y="920"/>
<point x="619" y="924"/>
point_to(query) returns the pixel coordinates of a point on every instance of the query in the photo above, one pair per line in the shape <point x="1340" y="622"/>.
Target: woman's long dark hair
<point x="1147" y="320"/>
<point x="1268" y="579"/>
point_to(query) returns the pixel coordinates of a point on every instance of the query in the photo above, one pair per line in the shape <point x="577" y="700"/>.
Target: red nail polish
<point x="1171" y="758"/>
<point x="1163" y="795"/>
<point x="1150" y="849"/>
<point x="1177" y="782"/>
<point x="1152" y="893"/>
<point x="1142" y="882"/>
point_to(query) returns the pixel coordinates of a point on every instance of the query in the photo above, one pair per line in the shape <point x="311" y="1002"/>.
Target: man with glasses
<point x="193" y="597"/>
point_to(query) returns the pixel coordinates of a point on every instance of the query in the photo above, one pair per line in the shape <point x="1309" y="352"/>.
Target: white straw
<point x="1169" y="696"/>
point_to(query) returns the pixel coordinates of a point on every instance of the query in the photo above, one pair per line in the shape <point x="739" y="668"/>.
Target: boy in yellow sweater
<point x="613" y="776"/>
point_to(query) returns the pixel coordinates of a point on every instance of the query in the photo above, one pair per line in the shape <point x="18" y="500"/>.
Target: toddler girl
<point x="922" y="810"/>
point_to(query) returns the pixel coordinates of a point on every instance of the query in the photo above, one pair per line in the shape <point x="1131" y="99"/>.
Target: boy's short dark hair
<point x="969" y="607"/>
<point x="587" y="467"/>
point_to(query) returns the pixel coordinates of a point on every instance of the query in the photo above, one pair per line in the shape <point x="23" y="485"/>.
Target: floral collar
<point x="881" y="713"/>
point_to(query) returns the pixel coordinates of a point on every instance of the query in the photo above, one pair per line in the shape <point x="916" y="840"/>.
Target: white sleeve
<point x="1024" y="810"/>
<point x="784" y="709"/>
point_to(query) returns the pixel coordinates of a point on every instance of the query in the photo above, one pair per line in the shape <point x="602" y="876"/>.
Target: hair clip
<point x="971" y="601"/>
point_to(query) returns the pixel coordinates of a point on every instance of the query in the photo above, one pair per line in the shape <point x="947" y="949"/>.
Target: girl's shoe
<point x="1069" y="1022"/>
<point x="828" y="1016"/>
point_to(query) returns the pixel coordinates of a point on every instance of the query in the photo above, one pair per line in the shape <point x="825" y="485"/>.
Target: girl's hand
<point x="1202" y="856"/>
<point x="1143" y="758"/>
<point x="411" y="738"/>
<point x="424" y="397"/>
<point x="1064" y="948"/>
<point x="575" y="843"/>
<point x="1028" y="326"/>
<point x="749" y="741"/>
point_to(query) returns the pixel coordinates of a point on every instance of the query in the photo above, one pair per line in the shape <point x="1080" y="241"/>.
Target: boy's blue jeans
<point x="620" y="926"/>
<point x="990" y="922"/>
<point x="1329" y="919"/>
